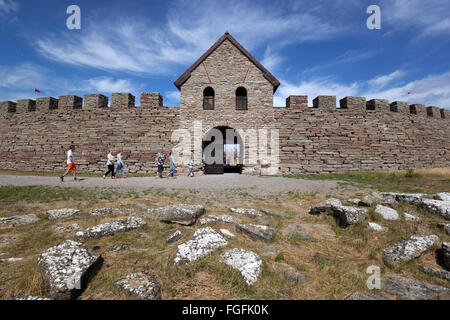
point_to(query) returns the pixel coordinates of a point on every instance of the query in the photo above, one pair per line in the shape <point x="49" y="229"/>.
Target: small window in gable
<point x="208" y="99"/>
<point x="241" y="98"/>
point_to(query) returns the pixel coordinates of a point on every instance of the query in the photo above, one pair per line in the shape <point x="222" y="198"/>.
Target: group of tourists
<point x="159" y="161"/>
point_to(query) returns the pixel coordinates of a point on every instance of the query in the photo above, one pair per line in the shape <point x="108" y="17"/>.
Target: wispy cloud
<point x="431" y="90"/>
<point x="22" y="75"/>
<point x="8" y="6"/>
<point x="134" y="45"/>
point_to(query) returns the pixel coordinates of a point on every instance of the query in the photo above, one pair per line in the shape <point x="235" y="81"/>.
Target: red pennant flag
<point x="36" y="90"/>
<point x="409" y="92"/>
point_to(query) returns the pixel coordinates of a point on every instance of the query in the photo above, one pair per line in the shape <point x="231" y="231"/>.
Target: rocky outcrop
<point x="444" y="196"/>
<point x="184" y="214"/>
<point x="366" y="296"/>
<point x="409" y="249"/>
<point x="445" y="226"/>
<point x="66" y="228"/>
<point x="205" y="240"/>
<point x="290" y="274"/>
<point x="65" y="269"/>
<point x="218" y="218"/>
<point x="387" y="213"/>
<point x="348" y="216"/>
<point x="227" y="233"/>
<point x="437" y="206"/>
<point x="256" y="232"/>
<point x="16" y="221"/>
<point x="110" y="228"/>
<point x="115" y="211"/>
<point x="251" y="213"/>
<point x="174" y="237"/>
<point x="309" y="232"/>
<point x="411" y="198"/>
<point x="377" y="198"/>
<point x="410" y="217"/>
<point x="248" y="263"/>
<point x="446" y="254"/>
<point x="324" y="206"/>
<point x="375" y="227"/>
<point x="26" y="297"/>
<point x="61" y="213"/>
<point x="142" y="285"/>
<point x="408" y="289"/>
<point x="443" y="274"/>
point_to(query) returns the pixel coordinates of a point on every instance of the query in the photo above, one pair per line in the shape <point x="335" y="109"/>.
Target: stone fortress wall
<point x="360" y="135"/>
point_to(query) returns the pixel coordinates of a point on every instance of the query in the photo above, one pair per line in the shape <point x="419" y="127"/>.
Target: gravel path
<point x="251" y="184"/>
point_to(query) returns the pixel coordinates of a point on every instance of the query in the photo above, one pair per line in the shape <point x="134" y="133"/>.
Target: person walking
<point x="71" y="165"/>
<point x="120" y="164"/>
<point x="191" y="168"/>
<point x="160" y="163"/>
<point x="110" y="164"/>
<point x="172" y="166"/>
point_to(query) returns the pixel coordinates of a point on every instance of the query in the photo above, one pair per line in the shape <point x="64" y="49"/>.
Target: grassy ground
<point x="341" y="271"/>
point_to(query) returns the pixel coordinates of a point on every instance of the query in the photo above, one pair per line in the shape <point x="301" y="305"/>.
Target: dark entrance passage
<point x="222" y="151"/>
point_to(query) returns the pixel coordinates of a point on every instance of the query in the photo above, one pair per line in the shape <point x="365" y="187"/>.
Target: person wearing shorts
<point x="71" y="165"/>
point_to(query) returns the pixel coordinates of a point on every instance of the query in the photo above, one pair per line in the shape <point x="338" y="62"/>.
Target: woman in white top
<point x="110" y="164"/>
<point x="120" y="164"/>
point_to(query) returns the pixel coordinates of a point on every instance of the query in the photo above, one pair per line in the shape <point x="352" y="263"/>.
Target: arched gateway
<point x="222" y="151"/>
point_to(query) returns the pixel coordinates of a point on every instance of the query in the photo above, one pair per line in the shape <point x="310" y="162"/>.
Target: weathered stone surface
<point x="61" y="213"/>
<point x="446" y="254"/>
<point x="310" y="232"/>
<point x="443" y="274"/>
<point x="323" y="206"/>
<point x="227" y="233"/>
<point x="444" y="196"/>
<point x="375" y="227"/>
<point x="174" y="237"/>
<point x="407" y="289"/>
<point x="110" y="228"/>
<point x="118" y="248"/>
<point x="251" y="213"/>
<point x="184" y="214"/>
<point x="274" y="213"/>
<point x="218" y="218"/>
<point x="16" y="221"/>
<point x="290" y="274"/>
<point x="366" y="296"/>
<point x="117" y="211"/>
<point x="66" y="228"/>
<point x="353" y="201"/>
<point x="410" y="217"/>
<point x="142" y="285"/>
<point x="26" y="297"/>
<point x="377" y="198"/>
<point x="256" y="232"/>
<point x="11" y="260"/>
<point x="387" y="213"/>
<point x="408" y="249"/>
<point x="412" y="198"/>
<point x="350" y="215"/>
<point x="437" y="206"/>
<point x="65" y="268"/>
<point x="205" y="240"/>
<point x="6" y="240"/>
<point x="248" y="263"/>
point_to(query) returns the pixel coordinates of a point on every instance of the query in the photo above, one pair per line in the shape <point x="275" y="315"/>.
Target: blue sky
<point x="312" y="47"/>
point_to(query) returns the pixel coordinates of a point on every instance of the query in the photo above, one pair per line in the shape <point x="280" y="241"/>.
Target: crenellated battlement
<point x="360" y="105"/>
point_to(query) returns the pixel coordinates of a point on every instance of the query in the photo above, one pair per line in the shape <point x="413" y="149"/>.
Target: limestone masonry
<point x="225" y="88"/>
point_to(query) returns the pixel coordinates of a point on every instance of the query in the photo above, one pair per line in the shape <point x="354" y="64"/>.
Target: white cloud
<point x="107" y="85"/>
<point x="134" y="45"/>
<point x="23" y="75"/>
<point x="432" y="90"/>
<point x="431" y="17"/>
<point x="382" y="81"/>
<point x="8" y="6"/>
<point x="172" y="98"/>
<point x="271" y="60"/>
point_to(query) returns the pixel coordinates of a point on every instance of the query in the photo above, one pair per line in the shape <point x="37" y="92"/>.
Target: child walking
<point x="110" y="164"/>
<point x="191" y="168"/>
<point x="120" y="164"/>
